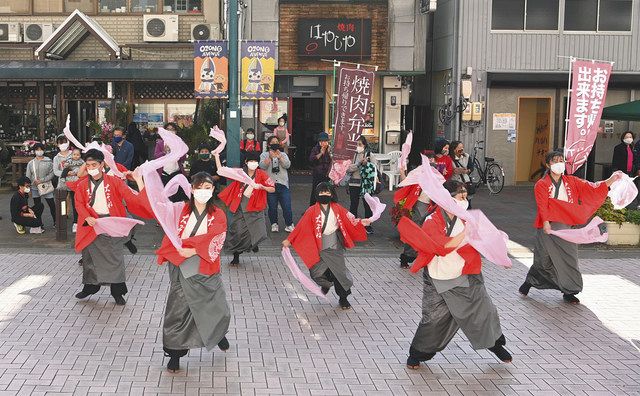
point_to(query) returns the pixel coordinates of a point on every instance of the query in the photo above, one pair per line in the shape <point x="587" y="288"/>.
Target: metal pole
<point x="233" y="110"/>
<point x="332" y="121"/>
<point x="566" y="115"/>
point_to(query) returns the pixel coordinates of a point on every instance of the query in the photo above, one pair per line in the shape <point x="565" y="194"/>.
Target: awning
<point x="70" y="34"/>
<point x="622" y="112"/>
<point x="126" y="70"/>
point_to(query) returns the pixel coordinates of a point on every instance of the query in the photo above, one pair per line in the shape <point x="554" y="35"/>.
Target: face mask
<point x="27" y="190"/>
<point x="281" y="123"/>
<point x="360" y="149"/>
<point x="202" y="195"/>
<point x="558" y="168"/>
<point x="93" y="172"/>
<point x="464" y="204"/>
<point x="63" y="146"/>
<point x="445" y="152"/>
<point x="324" y="199"/>
<point x="250" y="136"/>
<point x="39" y="153"/>
<point x="253" y="165"/>
<point x="117" y="139"/>
<point x="628" y="140"/>
<point x="275" y="147"/>
<point x="205" y="156"/>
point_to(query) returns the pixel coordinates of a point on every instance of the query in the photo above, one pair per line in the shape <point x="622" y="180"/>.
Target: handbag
<point x="44" y="188"/>
<point x="470" y="185"/>
<point x="379" y="181"/>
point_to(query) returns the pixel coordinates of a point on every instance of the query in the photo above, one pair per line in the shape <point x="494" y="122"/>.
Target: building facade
<point x="515" y="55"/>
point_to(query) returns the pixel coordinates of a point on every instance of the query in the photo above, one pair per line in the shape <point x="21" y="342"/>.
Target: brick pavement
<point x="284" y="341"/>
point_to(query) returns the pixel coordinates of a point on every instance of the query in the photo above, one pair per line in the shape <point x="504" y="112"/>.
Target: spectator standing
<point x="320" y="159"/>
<point x="40" y="171"/>
<point x="123" y="151"/>
<point x="277" y="163"/>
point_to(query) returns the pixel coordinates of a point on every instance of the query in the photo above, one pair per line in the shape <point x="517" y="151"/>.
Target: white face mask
<point x="202" y="195"/>
<point x="558" y="168"/>
<point x="93" y="172"/>
<point x="464" y="204"/>
<point x="27" y="190"/>
<point x="63" y="146"/>
<point x="281" y="123"/>
<point x="250" y="136"/>
<point x="253" y="165"/>
<point x="628" y="140"/>
<point x="360" y="149"/>
<point x="39" y="153"/>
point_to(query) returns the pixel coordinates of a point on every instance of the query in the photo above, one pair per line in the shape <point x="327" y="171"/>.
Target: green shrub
<point x="632" y="216"/>
<point x="607" y="213"/>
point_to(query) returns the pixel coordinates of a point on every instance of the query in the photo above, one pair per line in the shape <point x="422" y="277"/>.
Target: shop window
<point x="524" y="14"/>
<point x="598" y="15"/>
<point x="181" y="113"/>
<point x="147" y="6"/>
<point x="108" y="6"/>
<point x="183" y="6"/>
<point x="48" y="6"/>
<point x="14" y="7"/>
<point x="86" y="6"/>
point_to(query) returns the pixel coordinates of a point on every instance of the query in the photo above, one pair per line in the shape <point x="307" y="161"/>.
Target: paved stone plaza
<point x="284" y="341"/>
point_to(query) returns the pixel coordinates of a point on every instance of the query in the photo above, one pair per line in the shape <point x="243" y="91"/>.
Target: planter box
<point x="625" y="234"/>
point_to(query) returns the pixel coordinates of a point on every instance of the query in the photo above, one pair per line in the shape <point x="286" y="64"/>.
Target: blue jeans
<point x="282" y="196"/>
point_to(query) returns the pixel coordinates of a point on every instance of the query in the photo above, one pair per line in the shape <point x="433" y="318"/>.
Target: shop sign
<point x="355" y="89"/>
<point x="211" y="69"/>
<point x="588" y="94"/>
<point x="258" y="69"/>
<point x="504" y="121"/>
<point x="337" y="38"/>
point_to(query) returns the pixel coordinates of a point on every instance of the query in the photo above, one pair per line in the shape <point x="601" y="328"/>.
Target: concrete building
<point x="515" y="55"/>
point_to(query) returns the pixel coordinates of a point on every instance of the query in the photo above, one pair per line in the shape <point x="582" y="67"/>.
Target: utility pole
<point x="233" y="110"/>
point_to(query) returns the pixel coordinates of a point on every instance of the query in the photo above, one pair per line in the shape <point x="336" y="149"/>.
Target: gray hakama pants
<point x="332" y="267"/>
<point x="555" y="263"/>
<point x="419" y="212"/>
<point x="197" y="313"/>
<point x="103" y="264"/>
<point x="247" y="229"/>
<point x="460" y="307"/>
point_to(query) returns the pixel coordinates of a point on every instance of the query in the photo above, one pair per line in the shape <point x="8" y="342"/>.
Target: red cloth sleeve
<point x="201" y="242"/>
<point x="541" y="192"/>
<point x="135" y="205"/>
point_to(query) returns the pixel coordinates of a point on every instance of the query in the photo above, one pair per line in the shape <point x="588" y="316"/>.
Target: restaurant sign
<point x="337" y="38"/>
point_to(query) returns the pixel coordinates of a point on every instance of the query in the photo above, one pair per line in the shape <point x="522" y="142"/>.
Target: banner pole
<point x="566" y="116"/>
<point x="332" y="122"/>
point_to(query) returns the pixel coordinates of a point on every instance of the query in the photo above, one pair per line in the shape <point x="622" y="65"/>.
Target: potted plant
<point x="623" y="225"/>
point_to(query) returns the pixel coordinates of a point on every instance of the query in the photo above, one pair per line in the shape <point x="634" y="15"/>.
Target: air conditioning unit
<point x="428" y="6"/>
<point x="163" y="28"/>
<point x="37" y="32"/>
<point x="205" y="31"/>
<point x="10" y="33"/>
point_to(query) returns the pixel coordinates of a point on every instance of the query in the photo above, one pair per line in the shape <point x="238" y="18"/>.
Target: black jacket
<point x="619" y="160"/>
<point x="19" y="205"/>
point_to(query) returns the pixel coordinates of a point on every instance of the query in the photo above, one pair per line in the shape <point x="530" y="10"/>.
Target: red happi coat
<point x="115" y="191"/>
<point x="306" y="238"/>
<point x="208" y="246"/>
<point x="430" y="240"/>
<point x="232" y="194"/>
<point x="584" y="199"/>
<point x="411" y="193"/>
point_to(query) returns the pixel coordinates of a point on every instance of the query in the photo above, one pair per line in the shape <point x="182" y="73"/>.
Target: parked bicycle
<point x="491" y="174"/>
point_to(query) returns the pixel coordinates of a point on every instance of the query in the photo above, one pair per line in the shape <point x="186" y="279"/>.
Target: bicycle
<point x="492" y="174"/>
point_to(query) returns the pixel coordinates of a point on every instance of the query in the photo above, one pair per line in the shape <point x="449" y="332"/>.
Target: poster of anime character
<point x="211" y="69"/>
<point x="258" y="69"/>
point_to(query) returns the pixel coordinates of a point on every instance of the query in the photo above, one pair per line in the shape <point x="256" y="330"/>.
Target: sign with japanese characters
<point x="258" y="69"/>
<point x="504" y="121"/>
<point x="211" y="69"/>
<point x="588" y="94"/>
<point x="355" y="89"/>
<point x="334" y="38"/>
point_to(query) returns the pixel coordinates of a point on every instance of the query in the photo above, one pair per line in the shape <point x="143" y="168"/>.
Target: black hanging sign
<point x="334" y="38"/>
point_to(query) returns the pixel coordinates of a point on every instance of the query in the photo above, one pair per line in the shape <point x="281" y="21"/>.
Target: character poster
<point x="258" y="69"/>
<point x="211" y="69"/>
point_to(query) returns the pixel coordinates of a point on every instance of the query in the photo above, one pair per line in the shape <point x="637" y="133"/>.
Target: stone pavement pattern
<point x="284" y="341"/>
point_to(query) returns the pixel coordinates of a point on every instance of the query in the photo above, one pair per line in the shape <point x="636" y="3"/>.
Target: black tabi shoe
<point x="236" y="259"/>
<point x="174" y="363"/>
<point x="82" y="294"/>
<point x="255" y="249"/>
<point x="413" y="363"/>
<point x="501" y="353"/>
<point x="369" y="229"/>
<point x="80" y="262"/>
<point x="223" y="344"/>
<point x="119" y="300"/>
<point x="132" y="248"/>
<point x="524" y="289"/>
<point x="324" y="290"/>
<point x="404" y="261"/>
<point x="344" y="303"/>
<point x="571" y="299"/>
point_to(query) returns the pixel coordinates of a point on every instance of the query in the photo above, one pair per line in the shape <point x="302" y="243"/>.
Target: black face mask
<point x="324" y="199"/>
<point x="275" y="147"/>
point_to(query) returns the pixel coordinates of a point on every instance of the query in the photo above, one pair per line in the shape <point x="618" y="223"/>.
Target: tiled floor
<point x="284" y="341"/>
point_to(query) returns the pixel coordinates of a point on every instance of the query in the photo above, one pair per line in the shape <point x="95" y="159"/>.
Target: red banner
<point x="355" y="87"/>
<point x="588" y="94"/>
